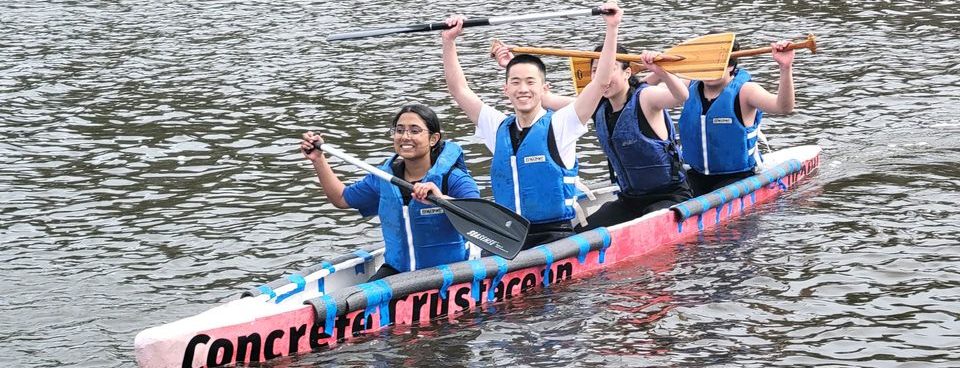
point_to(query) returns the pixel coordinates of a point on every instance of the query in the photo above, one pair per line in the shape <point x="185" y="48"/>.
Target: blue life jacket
<point x="717" y="142"/>
<point x="418" y="235"/>
<point x="530" y="181"/>
<point x="643" y="165"/>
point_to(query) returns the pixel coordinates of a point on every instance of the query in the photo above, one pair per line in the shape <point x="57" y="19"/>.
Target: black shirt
<point x="705" y="104"/>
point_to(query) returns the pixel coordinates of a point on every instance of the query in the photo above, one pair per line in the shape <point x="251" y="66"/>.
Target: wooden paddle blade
<point x="704" y="57"/>
<point x="701" y="58"/>
<point x="580" y="72"/>
<point x="488" y="225"/>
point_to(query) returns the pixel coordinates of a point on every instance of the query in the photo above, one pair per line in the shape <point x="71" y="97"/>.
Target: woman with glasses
<point x="416" y="233"/>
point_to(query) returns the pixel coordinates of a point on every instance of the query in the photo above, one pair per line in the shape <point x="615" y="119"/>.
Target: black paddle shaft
<point x="491" y="21"/>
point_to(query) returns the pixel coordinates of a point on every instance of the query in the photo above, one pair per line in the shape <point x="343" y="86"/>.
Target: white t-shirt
<point x="566" y="130"/>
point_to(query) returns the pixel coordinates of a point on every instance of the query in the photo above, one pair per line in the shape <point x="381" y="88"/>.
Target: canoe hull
<point x="251" y="329"/>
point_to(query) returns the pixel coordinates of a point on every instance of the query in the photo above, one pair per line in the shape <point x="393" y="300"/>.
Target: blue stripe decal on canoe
<point x="780" y="184"/>
<point x="360" y="253"/>
<point x="719" y="211"/>
<point x="321" y="285"/>
<point x="704" y="203"/>
<point x="447" y="280"/>
<point x="369" y="293"/>
<point x="605" y="238"/>
<point x="548" y="254"/>
<point x="700" y="222"/>
<point x="680" y="226"/>
<point x="296" y="279"/>
<point x="264" y="289"/>
<point x="479" y="273"/>
<point x="735" y="190"/>
<point x="584" y="247"/>
<point x="378" y="295"/>
<point x="327" y="266"/>
<point x="331" y="307"/>
<point x="386" y="294"/>
<point x="501" y="270"/>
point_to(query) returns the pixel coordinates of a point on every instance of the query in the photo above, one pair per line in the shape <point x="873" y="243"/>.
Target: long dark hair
<point x="633" y="81"/>
<point x="429" y="118"/>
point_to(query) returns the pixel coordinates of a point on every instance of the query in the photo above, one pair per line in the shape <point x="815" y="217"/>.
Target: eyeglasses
<point x="400" y="131"/>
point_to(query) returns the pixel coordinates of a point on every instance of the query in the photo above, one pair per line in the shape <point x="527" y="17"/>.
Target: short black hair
<point x="527" y="59"/>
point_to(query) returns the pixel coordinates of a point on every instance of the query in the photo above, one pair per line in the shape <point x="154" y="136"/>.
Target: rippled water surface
<point x="148" y="170"/>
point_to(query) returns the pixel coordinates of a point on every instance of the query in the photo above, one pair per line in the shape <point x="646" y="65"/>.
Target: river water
<point x="148" y="171"/>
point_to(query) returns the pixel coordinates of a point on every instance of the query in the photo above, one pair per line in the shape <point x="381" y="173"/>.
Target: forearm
<point x="786" y="98"/>
<point x="330" y="184"/>
<point x="452" y="72"/>
<point x="586" y="102"/>
<point x="555" y="102"/>
<point x="608" y="54"/>
<point x="678" y="90"/>
<point x="457" y="82"/>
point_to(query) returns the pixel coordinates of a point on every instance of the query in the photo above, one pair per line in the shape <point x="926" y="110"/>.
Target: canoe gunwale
<point x="407" y="283"/>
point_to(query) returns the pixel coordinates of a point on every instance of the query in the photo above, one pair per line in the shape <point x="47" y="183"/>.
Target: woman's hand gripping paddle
<point x="486" y="224"/>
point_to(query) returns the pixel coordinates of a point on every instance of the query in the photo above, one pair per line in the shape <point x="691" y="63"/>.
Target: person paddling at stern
<point x="534" y="167"/>
<point x="637" y="136"/>
<point x="416" y="234"/>
<point x="720" y="122"/>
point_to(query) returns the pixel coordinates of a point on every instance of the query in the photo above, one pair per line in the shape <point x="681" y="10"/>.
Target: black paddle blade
<point x="490" y="226"/>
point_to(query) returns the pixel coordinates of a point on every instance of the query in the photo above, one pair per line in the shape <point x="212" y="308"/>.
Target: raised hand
<point x="781" y="54"/>
<point x="613" y="19"/>
<point x="500" y="52"/>
<point x="307" y="146"/>
<point x="456" y="22"/>
<point x="648" y="57"/>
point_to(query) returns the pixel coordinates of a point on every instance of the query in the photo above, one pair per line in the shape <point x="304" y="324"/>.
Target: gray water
<point x="149" y="170"/>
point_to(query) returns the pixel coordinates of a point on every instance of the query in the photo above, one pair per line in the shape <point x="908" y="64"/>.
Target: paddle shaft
<point x="491" y="21"/>
<point x="374" y="170"/>
<point x="588" y="54"/>
<point x="809" y="43"/>
<point x="441" y="202"/>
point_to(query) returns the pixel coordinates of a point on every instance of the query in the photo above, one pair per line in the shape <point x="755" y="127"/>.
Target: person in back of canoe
<point x="416" y="234"/>
<point x="636" y="134"/>
<point x="720" y="122"/>
<point x="534" y="167"/>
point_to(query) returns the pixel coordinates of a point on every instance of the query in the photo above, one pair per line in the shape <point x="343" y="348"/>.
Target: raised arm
<point x="589" y="97"/>
<point x="671" y="93"/>
<point x="785" y="99"/>
<point x="329" y="182"/>
<point x="468" y="101"/>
